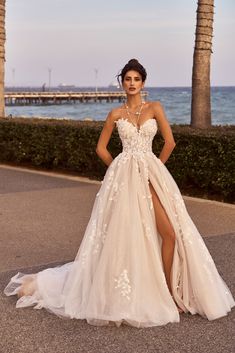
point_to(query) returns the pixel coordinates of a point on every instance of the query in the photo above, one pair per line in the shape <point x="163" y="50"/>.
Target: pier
<point x="47" y="98"/>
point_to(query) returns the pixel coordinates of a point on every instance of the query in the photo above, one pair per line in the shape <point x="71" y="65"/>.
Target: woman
<point x="142" y="261"/>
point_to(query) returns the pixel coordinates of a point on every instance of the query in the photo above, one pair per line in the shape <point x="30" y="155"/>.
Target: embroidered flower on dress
<point x="147" y="229"/>
<point x="123" y="283"/>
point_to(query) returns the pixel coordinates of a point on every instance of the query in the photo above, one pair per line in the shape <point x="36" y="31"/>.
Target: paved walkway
<point x="43" y="217"/>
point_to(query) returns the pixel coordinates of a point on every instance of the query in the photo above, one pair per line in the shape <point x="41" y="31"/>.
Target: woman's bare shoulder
<point x="155" y="105"/>
<point x="154" y="109"/>
<point x="116" y="113"/>
<point x="157" y="109"/>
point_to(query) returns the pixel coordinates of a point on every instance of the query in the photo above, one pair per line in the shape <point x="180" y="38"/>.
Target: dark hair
<point x="132" y="64"/>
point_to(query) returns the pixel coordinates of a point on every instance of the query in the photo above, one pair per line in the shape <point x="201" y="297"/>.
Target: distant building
<point x="113" y="84"/>
<point x="65" y="86"/>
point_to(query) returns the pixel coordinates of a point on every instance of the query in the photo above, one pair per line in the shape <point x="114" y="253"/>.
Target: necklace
<point x="135" y="113"/>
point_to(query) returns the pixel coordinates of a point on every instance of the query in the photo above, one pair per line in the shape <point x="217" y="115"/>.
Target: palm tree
<point x="201" y="96"/>
<point x="2" y="56"/>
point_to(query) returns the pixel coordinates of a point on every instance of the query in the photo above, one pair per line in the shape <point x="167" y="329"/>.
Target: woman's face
<point x="132" y="82"/>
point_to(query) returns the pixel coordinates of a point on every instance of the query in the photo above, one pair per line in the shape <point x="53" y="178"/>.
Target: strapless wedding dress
<point x="117" y="275"/>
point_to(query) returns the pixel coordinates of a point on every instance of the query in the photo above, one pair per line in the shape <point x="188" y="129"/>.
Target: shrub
<point x="202" y="163"/>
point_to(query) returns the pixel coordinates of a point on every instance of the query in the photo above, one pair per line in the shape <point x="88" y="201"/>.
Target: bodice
<point x="136" y="140"/>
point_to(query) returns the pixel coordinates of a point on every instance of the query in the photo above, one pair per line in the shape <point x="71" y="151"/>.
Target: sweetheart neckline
<point x="129" y="122"/>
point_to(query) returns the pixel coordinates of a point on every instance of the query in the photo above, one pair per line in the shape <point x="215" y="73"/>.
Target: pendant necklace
<point x="136" y="113"/>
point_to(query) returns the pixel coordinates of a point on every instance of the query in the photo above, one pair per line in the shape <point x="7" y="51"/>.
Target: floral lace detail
<point x="123" y="284"/>
<point x="83" y="258"/>
<point x="110" y="176"/>
<point x="147" y="229"/>
<point x="116" y="189"/>
<point x="134" y="141"/>
<point x="178" y="199"/>
<point x="150" y="199"/>
<point x="187" y="234"/>
<point x="96" y="240"/>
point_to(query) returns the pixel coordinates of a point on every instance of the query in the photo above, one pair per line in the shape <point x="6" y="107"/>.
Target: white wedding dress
<point x="117" y="276"/>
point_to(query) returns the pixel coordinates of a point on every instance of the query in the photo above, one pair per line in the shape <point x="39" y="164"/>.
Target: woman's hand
<point x="105" y="135"/>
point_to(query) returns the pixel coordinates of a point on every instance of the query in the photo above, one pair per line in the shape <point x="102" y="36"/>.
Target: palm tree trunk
<point x="2" y="56"/>
<point x="201" y="95"/>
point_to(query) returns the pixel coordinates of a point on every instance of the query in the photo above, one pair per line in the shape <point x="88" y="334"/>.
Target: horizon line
<point x="89" y="86"/>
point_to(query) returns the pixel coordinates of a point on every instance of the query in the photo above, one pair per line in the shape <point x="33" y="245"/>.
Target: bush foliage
<point x="202" y="162"/>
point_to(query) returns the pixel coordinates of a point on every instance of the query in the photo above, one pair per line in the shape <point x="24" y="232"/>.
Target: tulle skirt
<point x="117" y="275"/>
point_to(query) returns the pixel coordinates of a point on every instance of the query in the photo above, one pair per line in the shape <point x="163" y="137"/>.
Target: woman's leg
<point x="167" y="234"/>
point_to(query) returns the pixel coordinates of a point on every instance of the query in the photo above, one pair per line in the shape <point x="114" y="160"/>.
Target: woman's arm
<point x="166" y="132"/>
<point x="101" y="148"/>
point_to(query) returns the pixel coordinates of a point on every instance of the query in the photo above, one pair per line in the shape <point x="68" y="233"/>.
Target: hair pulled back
<point x="132" y="64"/>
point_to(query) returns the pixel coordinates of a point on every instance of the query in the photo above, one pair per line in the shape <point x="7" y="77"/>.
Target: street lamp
<point x="13" y="76"/>
<point x="96" y="77"/>
<point x="49" y="78"/>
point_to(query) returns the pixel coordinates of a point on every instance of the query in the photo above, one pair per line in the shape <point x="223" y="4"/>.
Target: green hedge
<point x="202" y="163"/>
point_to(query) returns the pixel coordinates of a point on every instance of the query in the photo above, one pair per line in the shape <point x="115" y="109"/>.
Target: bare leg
<point x="167" y="234"/>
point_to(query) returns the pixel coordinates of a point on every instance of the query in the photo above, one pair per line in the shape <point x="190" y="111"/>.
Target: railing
<point x="28" y="98"/>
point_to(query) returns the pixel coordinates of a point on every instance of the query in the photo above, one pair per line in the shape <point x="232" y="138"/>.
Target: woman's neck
<point x="134" y="101"/>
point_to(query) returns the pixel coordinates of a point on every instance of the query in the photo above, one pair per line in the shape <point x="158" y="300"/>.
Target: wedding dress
<point x="117" y="275"/>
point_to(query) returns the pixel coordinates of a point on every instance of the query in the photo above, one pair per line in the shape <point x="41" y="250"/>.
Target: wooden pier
<point x="49" y="98"/>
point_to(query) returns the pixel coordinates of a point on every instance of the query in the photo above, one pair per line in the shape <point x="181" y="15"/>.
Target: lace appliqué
<point x="123" y="283"/>
<point x="134" y="141"/>
<point x="150" y="200"/>
<point x="147" y="230"/>
<point x="116" y="189"/>
<point x="190" y="239"/>
<point x="96" y="240"/>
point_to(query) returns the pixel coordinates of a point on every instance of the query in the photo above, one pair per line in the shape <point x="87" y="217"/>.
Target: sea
<point x="176" y="102"/>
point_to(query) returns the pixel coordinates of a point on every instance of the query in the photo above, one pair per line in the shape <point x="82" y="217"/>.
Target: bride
<point x="142" y="261"/>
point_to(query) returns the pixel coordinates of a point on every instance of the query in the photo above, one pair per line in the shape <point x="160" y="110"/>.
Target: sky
<point x="87" y="42"/>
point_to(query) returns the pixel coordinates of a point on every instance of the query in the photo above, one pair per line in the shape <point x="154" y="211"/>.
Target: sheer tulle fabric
<point x="117" y="276"/>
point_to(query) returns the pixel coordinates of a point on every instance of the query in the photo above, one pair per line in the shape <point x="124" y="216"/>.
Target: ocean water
<point x="176" y="102"/>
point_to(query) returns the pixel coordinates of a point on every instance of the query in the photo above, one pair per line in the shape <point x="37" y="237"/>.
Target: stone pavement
<point x="43" y="217"/>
